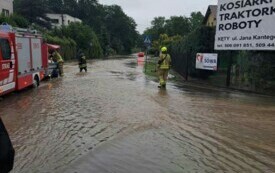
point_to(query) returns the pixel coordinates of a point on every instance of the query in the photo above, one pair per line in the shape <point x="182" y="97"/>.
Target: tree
<point x="30" y="9"/>
<point x="70" y="7"/>
<point x="122" y="29"/>
<point x="84" y="37"/>
<point x="177" y="25"/>
<point x="196" y="20"/>
<point x="15" y="20"/>
<point x="165" y="40"/>
<point x="54" y="6"/>
<point x="158" y="28"/>
<point x="86" y="9"/>
<point x="114" y="29"/>
<point x="34" y="11"/>
<point x="104" y="39"/>
<point x="165" y="32"/>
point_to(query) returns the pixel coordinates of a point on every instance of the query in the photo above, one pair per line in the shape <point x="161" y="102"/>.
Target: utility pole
<point x="147" y="43"/>
<point x="62" y="19"/>
<point x="62" y="14"/>
<point x="146" y="54"/>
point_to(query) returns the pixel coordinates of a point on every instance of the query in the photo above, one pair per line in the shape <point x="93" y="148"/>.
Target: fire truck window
<point x="5" y="49"/>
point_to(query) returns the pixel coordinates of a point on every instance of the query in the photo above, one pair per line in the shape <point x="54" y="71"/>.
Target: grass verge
<point x="150" y="69"/>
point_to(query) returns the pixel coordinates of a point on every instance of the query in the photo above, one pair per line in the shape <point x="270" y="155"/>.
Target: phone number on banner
<point x="250" y="45"/>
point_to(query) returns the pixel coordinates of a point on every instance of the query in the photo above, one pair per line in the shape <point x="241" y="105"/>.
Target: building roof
<point x="212" y="9"/>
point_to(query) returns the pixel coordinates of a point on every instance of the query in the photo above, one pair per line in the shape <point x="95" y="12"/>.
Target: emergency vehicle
<point x="23" y="59"/>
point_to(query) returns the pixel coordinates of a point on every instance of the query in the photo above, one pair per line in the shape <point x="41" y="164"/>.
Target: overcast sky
<point x="144" y="11"/>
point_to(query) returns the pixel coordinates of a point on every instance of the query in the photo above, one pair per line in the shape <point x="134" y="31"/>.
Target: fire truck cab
<point x="22" y="58"/>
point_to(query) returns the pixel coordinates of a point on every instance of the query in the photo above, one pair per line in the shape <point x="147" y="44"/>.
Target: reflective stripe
<point x="7" y="87"/>
<point x="12" y="53"/>
<point x="82" y="65"/>
<point x="11" y="78"/>
<point x="58" y="57"/>
<point x="166" y="63"/>
<point x="5" y="81"/>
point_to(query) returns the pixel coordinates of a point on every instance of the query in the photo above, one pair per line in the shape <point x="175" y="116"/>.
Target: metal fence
<point x="246" y="70"/>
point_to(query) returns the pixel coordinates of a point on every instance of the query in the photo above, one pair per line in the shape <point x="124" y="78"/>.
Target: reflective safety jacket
<point x="82" y="62"/>
<point x="57" y="57"/>
<point x="165" y="60"/>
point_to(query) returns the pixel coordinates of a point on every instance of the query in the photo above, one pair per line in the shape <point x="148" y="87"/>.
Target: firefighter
<point x="164" y="64"/>
<point x="82" y="62"/>
<point x="60" y="62"/>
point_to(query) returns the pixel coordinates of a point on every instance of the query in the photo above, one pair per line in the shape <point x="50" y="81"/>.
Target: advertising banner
<point x="245" y="25"/>
<point x="206" y="61"/>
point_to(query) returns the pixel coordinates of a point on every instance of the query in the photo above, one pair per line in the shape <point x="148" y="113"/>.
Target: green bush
<point x="68" y="46"/>
<point x="15" y="20"/>
<point x="84" y="37"/>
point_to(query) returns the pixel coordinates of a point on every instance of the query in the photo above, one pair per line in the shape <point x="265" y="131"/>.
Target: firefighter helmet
<point x="164" y="49"/>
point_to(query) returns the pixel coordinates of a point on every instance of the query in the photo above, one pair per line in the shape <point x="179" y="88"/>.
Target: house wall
<point x="211" y="21"/>
<point x="6" y="7"/>
<point x="68" y="19"/>
<point x="56" y="19"/>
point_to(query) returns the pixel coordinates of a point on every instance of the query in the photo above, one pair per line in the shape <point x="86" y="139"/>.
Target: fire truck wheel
<point x="36" y="82"/>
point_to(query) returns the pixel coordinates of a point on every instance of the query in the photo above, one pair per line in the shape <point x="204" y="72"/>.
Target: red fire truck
<point x="23" y="59"/>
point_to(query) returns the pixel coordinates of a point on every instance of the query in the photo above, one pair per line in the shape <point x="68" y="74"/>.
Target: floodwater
<point x="115" y="120"/>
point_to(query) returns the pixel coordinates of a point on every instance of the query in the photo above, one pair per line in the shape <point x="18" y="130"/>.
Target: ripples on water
<point x="113" y="119"/>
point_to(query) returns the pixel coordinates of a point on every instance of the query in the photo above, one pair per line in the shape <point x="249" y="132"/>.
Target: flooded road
<point x="115" y="120"/>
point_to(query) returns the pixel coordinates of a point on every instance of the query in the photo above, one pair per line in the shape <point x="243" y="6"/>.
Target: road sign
<point x="147" y="40"/>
